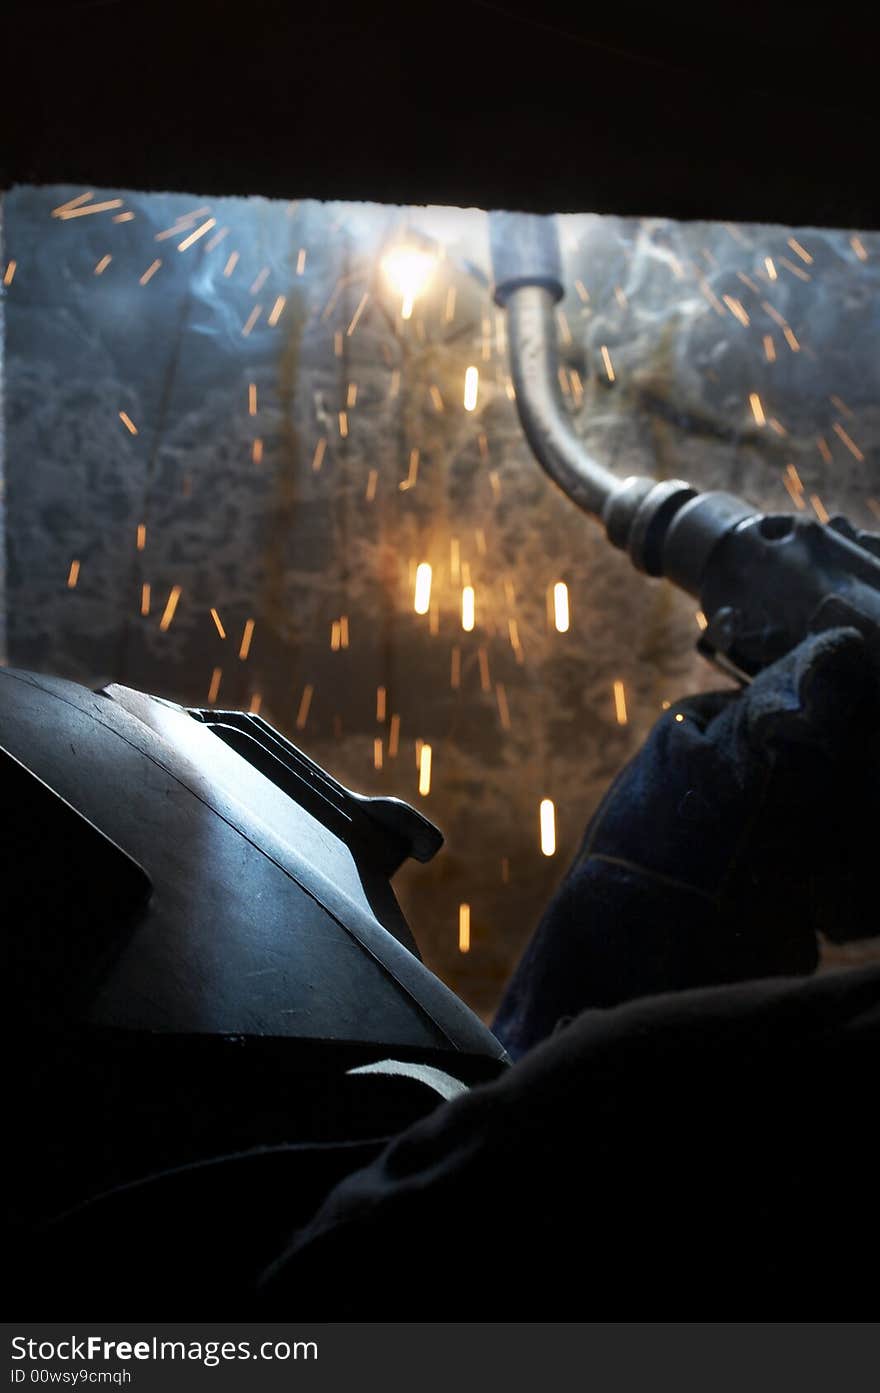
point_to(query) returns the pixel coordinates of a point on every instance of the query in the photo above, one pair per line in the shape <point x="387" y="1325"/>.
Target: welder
<point x="688" y="1129"/>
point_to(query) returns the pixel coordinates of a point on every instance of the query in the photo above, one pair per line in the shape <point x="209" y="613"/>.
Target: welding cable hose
<point x="740" y="831"/>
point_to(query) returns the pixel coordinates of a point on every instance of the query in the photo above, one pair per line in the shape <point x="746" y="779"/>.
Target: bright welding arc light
<point x="408" y="270"/>
<point x="423" y="588"/>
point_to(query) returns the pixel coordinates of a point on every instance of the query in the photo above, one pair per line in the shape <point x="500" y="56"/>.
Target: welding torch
<point x="763" y="580"/>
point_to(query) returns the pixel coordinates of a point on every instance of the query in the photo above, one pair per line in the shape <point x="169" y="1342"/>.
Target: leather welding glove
<point x="740" y="831"/>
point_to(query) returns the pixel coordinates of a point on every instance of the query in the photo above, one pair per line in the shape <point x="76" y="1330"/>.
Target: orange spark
<point x="170" y="607"/>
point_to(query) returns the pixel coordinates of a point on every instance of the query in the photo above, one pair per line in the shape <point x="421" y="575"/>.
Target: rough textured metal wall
<point x="291" y="449"/>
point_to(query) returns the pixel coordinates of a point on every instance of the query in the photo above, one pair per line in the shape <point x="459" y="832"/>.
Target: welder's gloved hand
<point x="741" y="830"/>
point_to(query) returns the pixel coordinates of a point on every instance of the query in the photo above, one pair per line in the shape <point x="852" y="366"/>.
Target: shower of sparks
<point x="841" y="405"/>
<point x="455" y="669"/>
<point x="252" y="398"/>
<point x="393" y="736"/>
<point x="410" y="480"/>
<point x="259" y="281"/>
<point x="215" y="241"/>
<point x="495" y="482"/>
<point x="467" y="608"/>
<point x="582" y="292"/>
<point x="170" y="608"/>
<point x="858" y="247"/>
<point x="362" y="305"/>
<point x="464" y="928"/>
<point x="73" y="575"/>
<point x="547" y="817"/>
<point x="318" y="456"/>
<point x="123" y="217"/>
<point x="352" y="394"/>
<point x="793" y="484"/>
<point x="334" y="636"/>
<point x="425" y="770"/>
<point x="141" y="536"/>
<point x="769" y="348"/>
<point x="372" y="481"/>
<point x="795" y="270"/>
<point x="255" y="704"/>
<point x="251" y="320"/>
<point x="9" y="273"/>
<point x="777" y="426"/>
<point x="81" y="212"/>
<point x="128" y="422"/>
<point x="247" y="635"/>
<point x="823" y="448"/>
<point x="277" y="311"/>
<point x="800" y="251"/>
<point x="503" y="707"/>
<point x="710" y="295"/>
<point x="150" y="271"/>
<point x="301" y="261"/>
<point x="381" y="703"/>
<point x="102" y="265"/>
<point x="564" y="330"/>
<point x="455" y="559"/>
<point x="702" y="621"/>
<point x="436" y="398"/>
<point x="791" y="340"/>
<point x="513" y="634"/>
<point x="343" y="630"/>
<point x="423" y="588"/>
<point x="199" y="232"/>
<point x="771" y="269"/>
<point x="343" y="424"/>
<point x="231" y="263"/>
<point x="606" y="359"/>
<point x="257" y="451"/>
<point x="216" y="618"/>
<point x="471" y="388"/>
<point x="214" y="688"/>
<point x="577" y="387"/>
<point x="181" y="224"/>
<point x="819" y="507"/>
<point x="73" y="203"/>
<point x="377" y="753"/>
<point x="737" y="310"/>
<point x="747" y="280"/>
<point x="757" y="409"/>
<point x="563" y="381"/>
<point x="302" y="714"/>
<point x="620" y="703"/>
<point x="848" y="442"/>
<point x="145" y="599"/>
<point x="560" y="607"/>
<point x="483" y="660"/>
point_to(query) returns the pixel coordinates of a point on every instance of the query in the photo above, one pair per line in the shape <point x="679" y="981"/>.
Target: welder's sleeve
<point x="733" y="837"/>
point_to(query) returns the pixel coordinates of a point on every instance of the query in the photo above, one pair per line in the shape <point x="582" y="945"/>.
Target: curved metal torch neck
<point x="534" y="365"/>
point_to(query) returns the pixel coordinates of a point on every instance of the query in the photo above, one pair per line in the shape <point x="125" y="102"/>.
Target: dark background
<point x="745" y="112"/>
